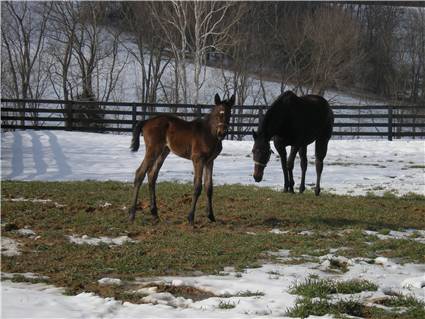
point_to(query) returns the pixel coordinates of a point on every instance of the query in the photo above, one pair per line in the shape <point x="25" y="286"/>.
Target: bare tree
<point x="23" y="34"/>
<point x="192" y="29"/>
<point x="150" y="53"/>
<point x="334" y="40"/>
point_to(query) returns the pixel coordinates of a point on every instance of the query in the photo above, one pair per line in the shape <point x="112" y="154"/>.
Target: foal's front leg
<point x="198" y="165"/>
<point x="208" y="172"/>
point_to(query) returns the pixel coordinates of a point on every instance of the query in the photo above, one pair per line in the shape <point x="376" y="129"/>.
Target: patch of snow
<point x="101" y="240"/>
<point x="33" y="200"/>
<point x="26" y="232"/>
<point x="409" y="234"/>
<point x="28" y="275"/>
<point x="306" y="233"/>
<point x="381" y="261"/>
<point x="329" y="262"/>
<point x="9" y="247"/>
<point x="178" y="282"/>
<point x="166" y="298"/>
<point x="110" y="281"/>
<point x="277" y="231"/>
<point x="416" y="282"/>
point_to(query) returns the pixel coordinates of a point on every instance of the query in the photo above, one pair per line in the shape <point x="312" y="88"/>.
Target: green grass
<point x="305" y="307"/>
<point x="403" y="301"/>
<point x="314" y="287"/>
<point x="226" y="305"/>
<point x="245" y="293"/>
<point x="172" y="247"/>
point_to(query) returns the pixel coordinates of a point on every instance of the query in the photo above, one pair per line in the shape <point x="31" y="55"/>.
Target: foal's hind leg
<point x="208" y="183"/>
<point x="281" y="149"/>
<point x="198" y="165"/>
<point x="152" y="177"/>
<point x="321" y="148"/>
<point x="291" y="160"/>
<point x="303" y="162"/>
<point x="147" y="163"/>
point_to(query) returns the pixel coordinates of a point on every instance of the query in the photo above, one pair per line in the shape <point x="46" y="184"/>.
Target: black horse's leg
<point x="208" y="183"/>
<point x="291" y="159"/>
<point x="152" y="177"/>
<point x="303" y="162"/>
<point x="321" y="149"/>
<point x="281" y="149"/>
<point x="198" y="165"/>
<point x="147" y="163"/>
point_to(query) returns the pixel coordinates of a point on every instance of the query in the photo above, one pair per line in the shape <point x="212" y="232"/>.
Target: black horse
<point x="295" y="121"/>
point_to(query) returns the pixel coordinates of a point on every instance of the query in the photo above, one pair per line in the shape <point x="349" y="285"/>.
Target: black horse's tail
<point x="135" y="141"/>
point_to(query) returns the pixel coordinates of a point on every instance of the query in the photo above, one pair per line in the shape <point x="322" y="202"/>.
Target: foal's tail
<point x="135" y="141"/>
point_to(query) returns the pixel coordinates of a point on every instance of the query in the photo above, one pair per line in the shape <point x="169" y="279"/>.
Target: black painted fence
<point x="383" y="121"/>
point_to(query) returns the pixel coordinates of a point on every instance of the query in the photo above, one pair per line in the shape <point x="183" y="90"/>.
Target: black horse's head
<point x="261" y="154"/>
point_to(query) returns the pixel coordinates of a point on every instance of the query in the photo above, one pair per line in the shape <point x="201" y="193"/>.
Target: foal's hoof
<point x="191" y="220"/>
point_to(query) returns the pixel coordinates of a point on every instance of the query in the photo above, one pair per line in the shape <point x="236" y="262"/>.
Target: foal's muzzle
<point x="221" y="132"/>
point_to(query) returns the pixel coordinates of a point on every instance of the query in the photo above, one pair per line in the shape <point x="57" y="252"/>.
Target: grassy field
<point x="172" y="247"/>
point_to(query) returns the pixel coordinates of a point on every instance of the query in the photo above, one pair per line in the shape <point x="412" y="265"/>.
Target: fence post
<point x="134" y="116"/>
<point x="390" y="123"/>
<point x="68" y="112"/>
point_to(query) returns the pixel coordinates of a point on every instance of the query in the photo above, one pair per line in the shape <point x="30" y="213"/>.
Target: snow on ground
<point x="117" y="241"/>
<point x="9" y="247"/>
<point x="272" y="280"/>
<point x="351" y="167"/>
<point x="409" y="234"/>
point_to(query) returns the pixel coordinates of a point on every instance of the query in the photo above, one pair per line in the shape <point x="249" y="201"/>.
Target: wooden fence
<point x="383" y="121"/>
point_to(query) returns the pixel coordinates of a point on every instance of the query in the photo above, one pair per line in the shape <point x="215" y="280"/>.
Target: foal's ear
<point x="217" y="99"/>
<point x="232" y="100"/>
<point x="254" y="135"/>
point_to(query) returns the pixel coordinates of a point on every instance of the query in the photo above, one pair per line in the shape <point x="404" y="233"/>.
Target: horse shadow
<point x="61" y="161"/>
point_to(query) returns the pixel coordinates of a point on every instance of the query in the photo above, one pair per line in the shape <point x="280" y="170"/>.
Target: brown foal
<point x="199" y="140"/>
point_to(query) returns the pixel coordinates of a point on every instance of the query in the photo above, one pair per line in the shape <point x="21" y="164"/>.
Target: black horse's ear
<point x="217" y="99"/>
<point x="254" y="135"/>
<point x="232" y="100"/>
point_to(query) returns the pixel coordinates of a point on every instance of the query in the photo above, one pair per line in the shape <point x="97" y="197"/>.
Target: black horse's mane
<point x="273" y="111"/>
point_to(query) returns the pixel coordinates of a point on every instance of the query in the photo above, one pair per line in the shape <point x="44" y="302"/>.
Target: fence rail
<point x="355" y="121"/>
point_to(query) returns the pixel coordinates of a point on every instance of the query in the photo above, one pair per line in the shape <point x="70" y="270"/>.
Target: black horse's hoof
<point x="211" y="218"/>
<point x="155" y="219"/>
<point x="131" y="214"/>
<point x="302" y="189"/>
<point x="291" y="190"/>
<point x="317" y="191"/>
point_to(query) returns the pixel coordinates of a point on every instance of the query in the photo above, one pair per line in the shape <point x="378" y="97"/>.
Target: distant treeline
<point x="80" y="49"/>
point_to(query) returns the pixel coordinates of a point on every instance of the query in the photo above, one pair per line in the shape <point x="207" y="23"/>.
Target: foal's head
<point x="261" y="153"/>
<point x="220" y="116"/>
